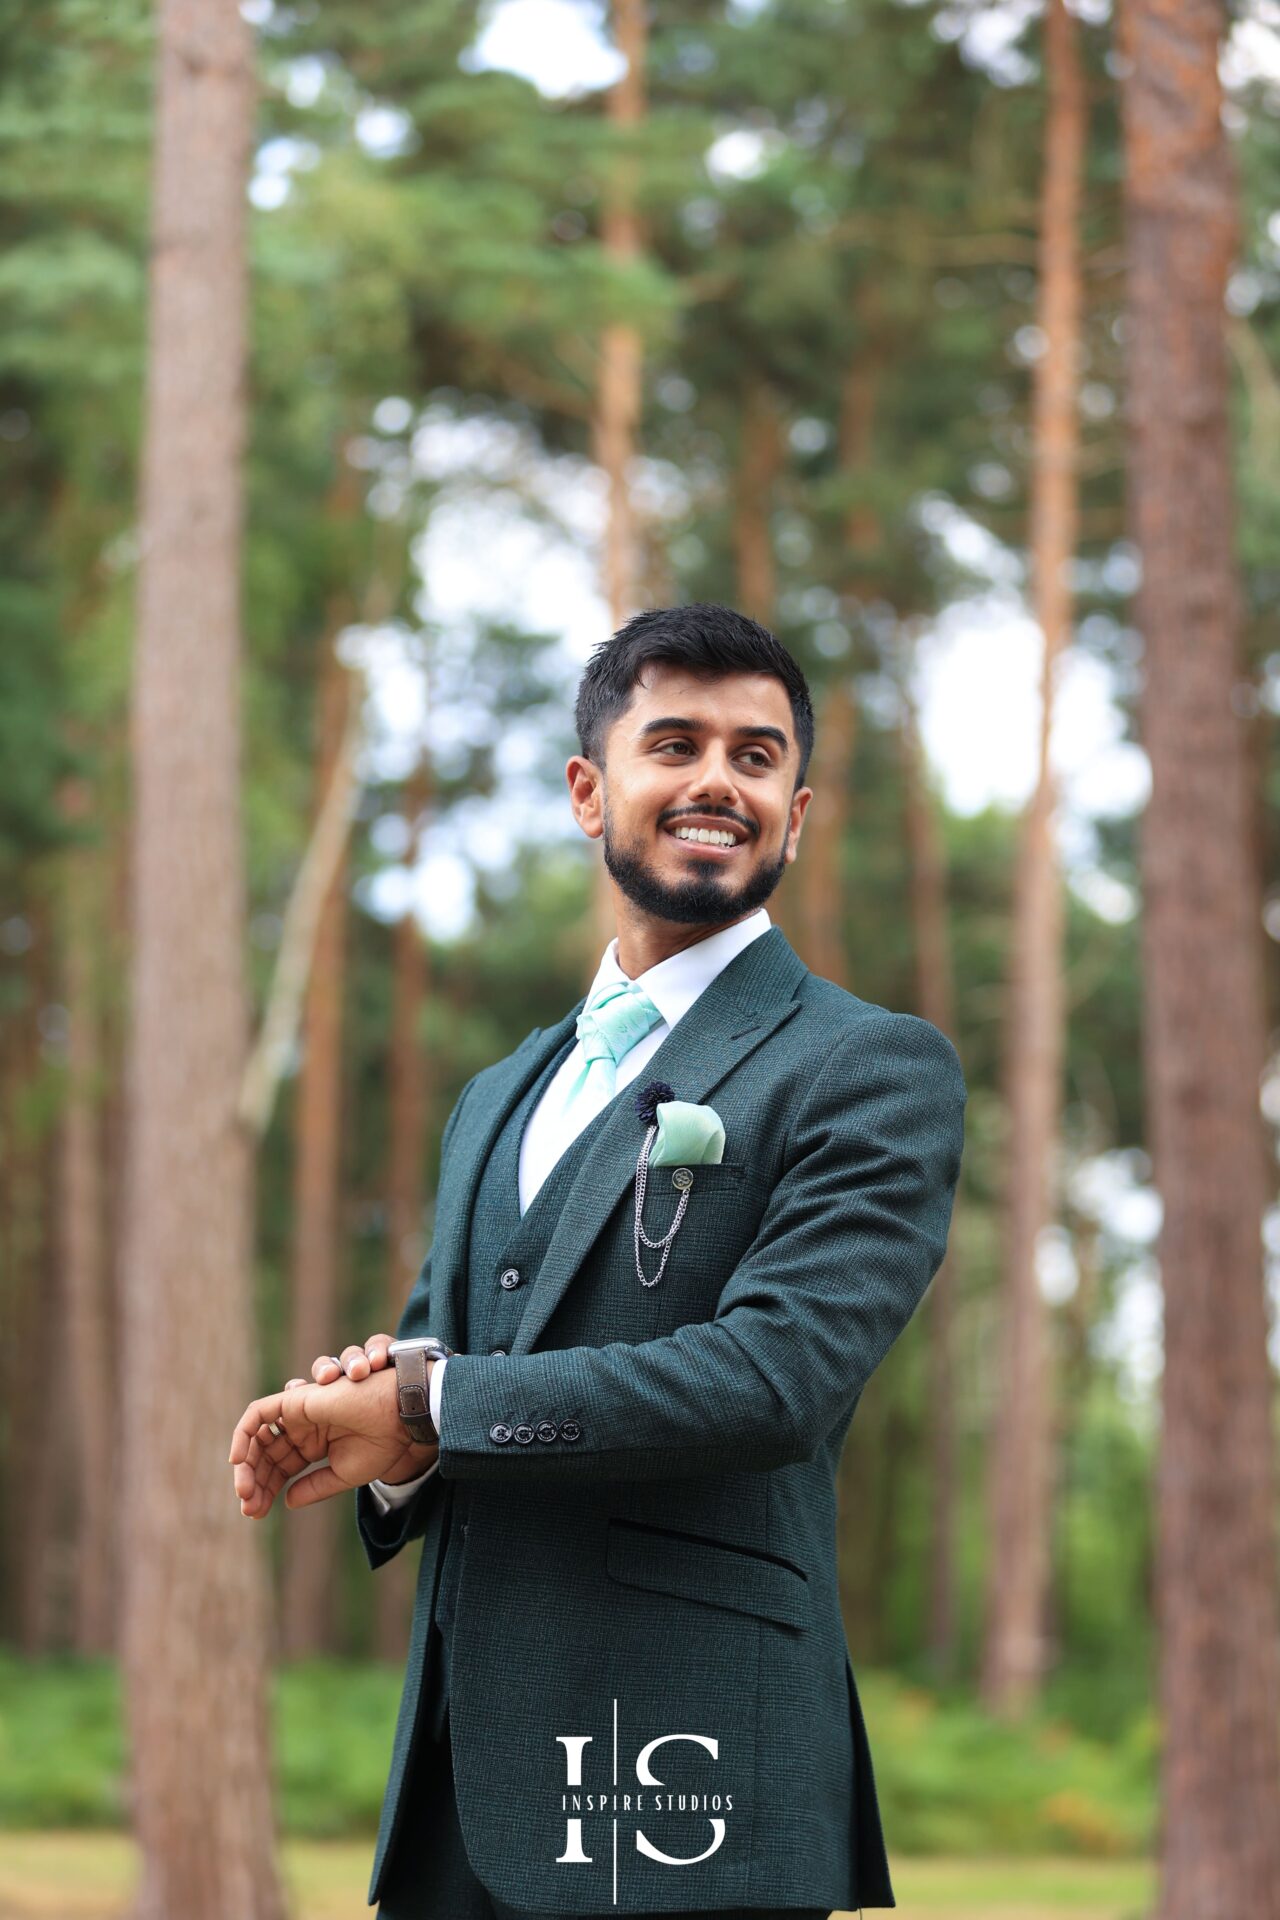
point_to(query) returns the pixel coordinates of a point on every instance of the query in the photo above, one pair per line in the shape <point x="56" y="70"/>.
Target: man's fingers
<point x="355" y="1361"/>
<point x="270" y="1461"/>
<point x="320" y="1485"/>
<point x="272" y="1410"/>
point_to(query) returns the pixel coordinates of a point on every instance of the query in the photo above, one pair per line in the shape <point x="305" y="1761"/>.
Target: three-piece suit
<point x="627" y="1624"/>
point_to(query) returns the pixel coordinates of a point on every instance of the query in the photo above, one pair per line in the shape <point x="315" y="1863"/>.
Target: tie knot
<point x="615" y="1017"/>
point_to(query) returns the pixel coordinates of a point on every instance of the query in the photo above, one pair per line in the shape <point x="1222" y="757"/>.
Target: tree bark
<point x="760" y="454"/>
<point x="617" y="416"/>
<point x="821" y="870"/>
<point x="409" y="1078"/>
<point x="935" y="1001"/>
<point x="311" y="1537"/>
<point x="195" y="1613"/>
<point x="616" y="420"/>
<point x="1019" y="1506"/>
<point x="30" y="1316"/>
<point x="86" y="1280"/>
<point x="1204" y="1039"/>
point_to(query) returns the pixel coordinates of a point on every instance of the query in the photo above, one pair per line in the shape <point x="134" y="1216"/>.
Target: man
<point x="628" y="1688"/>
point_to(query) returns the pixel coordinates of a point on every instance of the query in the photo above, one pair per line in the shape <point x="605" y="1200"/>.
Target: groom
<point x="628" y="1689"/>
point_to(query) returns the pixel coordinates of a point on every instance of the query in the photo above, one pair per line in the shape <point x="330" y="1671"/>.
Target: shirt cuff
<point x="388" y="1494"/>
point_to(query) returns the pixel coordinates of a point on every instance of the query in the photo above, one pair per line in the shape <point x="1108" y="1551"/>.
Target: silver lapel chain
<point x="681" y="1178"/>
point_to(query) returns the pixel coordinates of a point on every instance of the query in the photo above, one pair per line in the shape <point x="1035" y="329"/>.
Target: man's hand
<point x="356" y="1362"/>
<point x="355" y="1422"/>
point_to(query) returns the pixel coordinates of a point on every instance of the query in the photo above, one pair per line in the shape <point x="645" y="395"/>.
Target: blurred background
<point x="360" y="369"/>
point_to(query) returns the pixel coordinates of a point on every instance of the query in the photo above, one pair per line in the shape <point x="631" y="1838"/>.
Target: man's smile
<point x="716" y="839"/>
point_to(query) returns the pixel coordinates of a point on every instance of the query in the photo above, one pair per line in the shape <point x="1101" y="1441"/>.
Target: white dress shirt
<point x="673" y="986"/>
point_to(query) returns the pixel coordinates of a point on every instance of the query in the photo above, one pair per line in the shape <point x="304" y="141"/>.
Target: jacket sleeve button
<point x="523" y="1434"/>
<point x="546" y="1429"/>
<point x="500" y="1434"/>
<point x="570" y="1430"/>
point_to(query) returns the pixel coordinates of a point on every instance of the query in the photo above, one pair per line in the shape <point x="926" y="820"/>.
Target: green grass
<point x="90" y="1876"/>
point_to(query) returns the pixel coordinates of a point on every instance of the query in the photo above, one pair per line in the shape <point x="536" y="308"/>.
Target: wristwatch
<point x="414" y="1397"/>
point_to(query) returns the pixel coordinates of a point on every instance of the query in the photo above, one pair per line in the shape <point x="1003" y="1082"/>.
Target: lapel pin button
<point x="682" y="1178"/>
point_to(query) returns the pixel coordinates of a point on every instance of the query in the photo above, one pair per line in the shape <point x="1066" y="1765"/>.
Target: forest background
<point x="819" y="308"/>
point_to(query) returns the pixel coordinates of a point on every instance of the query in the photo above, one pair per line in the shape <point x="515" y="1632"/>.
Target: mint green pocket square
<point x="687" y="1135"/>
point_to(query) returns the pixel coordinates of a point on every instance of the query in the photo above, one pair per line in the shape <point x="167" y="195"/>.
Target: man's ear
<point x="586" y="794"/>
<point x="799" y="807"/>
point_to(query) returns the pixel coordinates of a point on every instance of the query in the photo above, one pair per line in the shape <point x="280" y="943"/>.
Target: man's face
<point x="693" y="752"/>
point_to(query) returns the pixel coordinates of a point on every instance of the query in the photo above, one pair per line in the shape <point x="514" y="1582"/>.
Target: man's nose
<point x="714" y="775"/>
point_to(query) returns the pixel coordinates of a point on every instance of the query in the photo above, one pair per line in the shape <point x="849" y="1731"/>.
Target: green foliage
<point x="953" y="1781"/>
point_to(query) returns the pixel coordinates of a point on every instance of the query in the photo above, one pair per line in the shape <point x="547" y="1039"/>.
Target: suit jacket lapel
<point x="744" y="1004"/>
<point x="477" y="1132"/>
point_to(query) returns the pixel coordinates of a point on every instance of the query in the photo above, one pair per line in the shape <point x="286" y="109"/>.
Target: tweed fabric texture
<point x="672" y="1548"/>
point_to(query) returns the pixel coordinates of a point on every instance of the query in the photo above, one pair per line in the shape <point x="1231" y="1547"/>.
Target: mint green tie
<point x="615" y="1017"/>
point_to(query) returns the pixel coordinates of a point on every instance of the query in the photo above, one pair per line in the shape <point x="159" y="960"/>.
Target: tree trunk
<point x="311" y="1537"/>
<point x="195" y="1614"/>
<point x="820" y="868"/>
<point x="29" y="1316"/>
<point x="1013" y="1661"/>
<point x="408" y="1075"/>
<point x="1204" y="1041"/>
<point x="760" y="453"/>
<point x="617" y="416"/>
<point x="935" y="1000"/>
<point x="83" y="1248"/>
<point x="759" y="463"/>
<point x="618" y="396"/>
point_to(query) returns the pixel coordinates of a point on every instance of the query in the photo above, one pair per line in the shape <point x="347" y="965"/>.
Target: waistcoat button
<point x="570" y="1430"/>
<point x="510" y="1278"/>
<point x="546" y="1429"/>
<point x="495" y="1351"/>
<point x="524" y="1435"/>
<point x="500" y="1434"/>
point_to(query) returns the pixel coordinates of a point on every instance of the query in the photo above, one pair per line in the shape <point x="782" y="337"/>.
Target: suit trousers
<point x="429" y="1877"/>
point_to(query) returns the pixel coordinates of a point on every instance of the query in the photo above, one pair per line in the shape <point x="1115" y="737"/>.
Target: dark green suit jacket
<point x="667" y="1564"/>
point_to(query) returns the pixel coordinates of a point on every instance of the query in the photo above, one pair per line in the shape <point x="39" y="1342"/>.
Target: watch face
<point x="413" y="1346"/>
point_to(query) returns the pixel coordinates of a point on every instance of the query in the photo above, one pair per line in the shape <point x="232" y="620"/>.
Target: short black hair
<point x="705" y="639"/>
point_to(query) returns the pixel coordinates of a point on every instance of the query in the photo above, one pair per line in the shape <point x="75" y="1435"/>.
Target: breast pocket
<point x="724" y="1206"/>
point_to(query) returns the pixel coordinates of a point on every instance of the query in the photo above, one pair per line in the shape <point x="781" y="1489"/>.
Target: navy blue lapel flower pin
<point x="674" y="1130"/>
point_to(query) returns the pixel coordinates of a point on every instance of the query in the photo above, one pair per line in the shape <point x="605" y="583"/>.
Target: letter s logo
<point x="647" y="1778"/>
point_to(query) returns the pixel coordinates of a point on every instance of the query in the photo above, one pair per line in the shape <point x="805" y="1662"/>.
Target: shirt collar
<point x="674" y="984"/>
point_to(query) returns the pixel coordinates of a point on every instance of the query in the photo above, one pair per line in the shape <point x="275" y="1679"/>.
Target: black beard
<point x="706" y="900"/>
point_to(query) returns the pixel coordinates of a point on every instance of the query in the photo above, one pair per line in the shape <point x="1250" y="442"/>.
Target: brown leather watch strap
<point x="414" y="1394"/>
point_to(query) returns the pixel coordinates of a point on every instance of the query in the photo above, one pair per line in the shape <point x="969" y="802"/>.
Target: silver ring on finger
<point x="273" y="1429"/>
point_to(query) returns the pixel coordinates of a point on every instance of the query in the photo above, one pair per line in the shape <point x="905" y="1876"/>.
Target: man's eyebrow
<point x="700" y="726"/>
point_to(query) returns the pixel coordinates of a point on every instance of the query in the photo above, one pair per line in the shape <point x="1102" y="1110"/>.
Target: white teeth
<point x="706" y="836"/>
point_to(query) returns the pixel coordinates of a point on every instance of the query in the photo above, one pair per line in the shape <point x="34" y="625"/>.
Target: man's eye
<point x="759" y="752"/>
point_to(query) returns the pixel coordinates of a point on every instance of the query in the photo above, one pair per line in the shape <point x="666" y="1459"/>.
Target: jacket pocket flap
<point x="719" y="1576"/>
